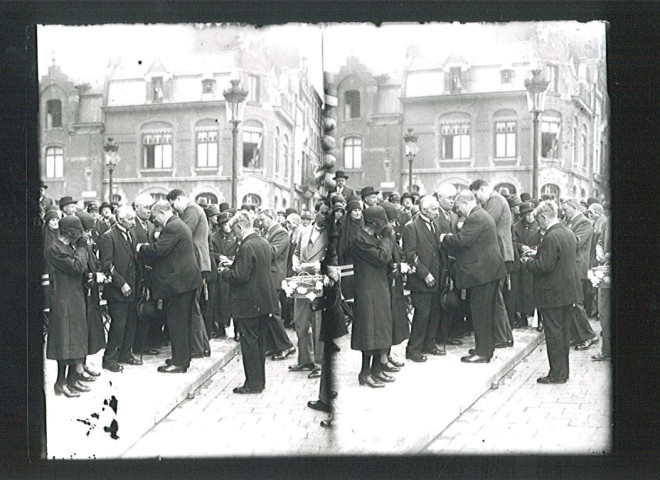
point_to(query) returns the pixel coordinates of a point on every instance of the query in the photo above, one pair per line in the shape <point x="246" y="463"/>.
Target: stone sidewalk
<point x="522" y="416"/>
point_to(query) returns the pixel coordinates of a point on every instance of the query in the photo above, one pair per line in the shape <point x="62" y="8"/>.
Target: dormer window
<point x="208" y="86"/>
<point x="157" y="89"/>
<point x="506" y="76"/>
<point x="53" y="114"/>
<point x="455" y="79"/>
<point x="351" y="104"/>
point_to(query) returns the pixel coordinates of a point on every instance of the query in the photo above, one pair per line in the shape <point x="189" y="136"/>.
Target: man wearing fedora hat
<point x="341" y="188"/>
<point x="104" y="223"/>
<point x="68" y="206"/>
<point x="369" y="196"/>
<point x="44" y="200"/>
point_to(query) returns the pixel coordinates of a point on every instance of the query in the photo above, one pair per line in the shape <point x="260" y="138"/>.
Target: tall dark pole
<point x="535" y="157"/>
<point x="110" y="170"/>
<point x="410" y="179"/>
<point x="234" y="164"/>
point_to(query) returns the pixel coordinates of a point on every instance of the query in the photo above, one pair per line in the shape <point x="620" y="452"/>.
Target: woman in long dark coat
<point x="95" y="330"/>
<point x="372" y="315"/>
<point x="67" y="330"/>
<point x="50" y="233"/>
<point x="353" y="223"/>
<point x="526" y="235"/>
<point x="223" y="244"/>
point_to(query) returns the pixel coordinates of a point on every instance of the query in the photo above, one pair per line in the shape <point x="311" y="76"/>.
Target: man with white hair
<point x="556" y="288"/>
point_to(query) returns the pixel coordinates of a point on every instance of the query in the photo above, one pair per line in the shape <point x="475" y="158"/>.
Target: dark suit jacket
<point x="442" y="225"/>
<point x="422" y="250"/>
<point x="172" y="257"/>
<point x="195" y="218"/>
<point x="116" y="252"/>
<point x="142" y="235"/>
<point x="498" y="208"/>
<point x="556" y="281"/>
<point x="279" y="241"/>
<point x="478" y="257"/>
<point x="346" y="192"/>
<point x="252" y="289"/>
<point x="583" y="230"/>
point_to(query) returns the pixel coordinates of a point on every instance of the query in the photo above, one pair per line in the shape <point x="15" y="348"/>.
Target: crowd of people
<point x="176" y="272"/>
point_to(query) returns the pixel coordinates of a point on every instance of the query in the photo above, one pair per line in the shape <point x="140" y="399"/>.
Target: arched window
<point x="550" y="129"/>
<point x="351" y="104"/>
<point x="252" y="199"/>
<point x="352" y="152"/>
<point x="455" y="130"/>
<point x="252" y="140"/>
<point x="506" y="133"/>
<point x="206" y="137"/>
<point x="210" y="197"/>
<point x="551" y="190"/>
<point x="157" y="146"/>
<point x="53" y="114"/>
<point x="509" y="186"/>
<point x="54" y="162"/>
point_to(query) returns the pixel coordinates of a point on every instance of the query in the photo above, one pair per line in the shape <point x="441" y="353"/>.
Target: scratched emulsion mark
<point x="113" y="428"/>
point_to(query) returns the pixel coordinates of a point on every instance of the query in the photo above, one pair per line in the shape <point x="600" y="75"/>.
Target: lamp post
<point x="410" y="140"/>
<point x="111" y="160"/>
<point x="536" y="87"/>
<point x="234" y="98"/>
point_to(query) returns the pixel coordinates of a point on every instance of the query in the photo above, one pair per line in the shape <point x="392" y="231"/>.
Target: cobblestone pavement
<point x="522" y="416"/>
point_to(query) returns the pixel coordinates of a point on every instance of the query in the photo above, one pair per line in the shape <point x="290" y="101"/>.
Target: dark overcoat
<point x="95" y="330"/>
<point x="175" y="269"/>
<point x="525" y="234"/>
<point x="372" y="314"/>
<point x="584" y="231"/>
<point x="478" y="257"/>
<point x="223" y="243"/>
<point x="279" y="241"/>
<point x="252" y="291"/>
<point x="556" y="279"/>
<point x="400" y="325"/>
<point x="67" y="327"/>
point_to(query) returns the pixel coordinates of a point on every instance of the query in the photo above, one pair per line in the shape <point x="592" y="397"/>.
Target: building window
<point x="455" y="79"/>
<point x="575" y="145"/>
<point x="158" y="196"/>
<point x="54" y="162"/>
<point x="550" y="190"/>
<point x="157" y="92"/>
<point x="505" y="139"/>
<point x="550" y="128"/>
<point x="210" y="198"/>
<point x="252" y="138"/>
<point x="207" y="148"/>
<point x="208" y="86"/>
<point x="53" y="114"/>
<point x="353" y="152"/>
<point x="252" y="199"/>
<point x="552" y="76"/>
<point x="583" y="149"/>
<point x="157" y="148"/>
<point x="284" y="157"/>
<point x="509" y="186"/>
<point x="253" y="89"/>
<point x="455" y="141"/>
<point x="506" y="76"/>
<point x="351" y="104"/>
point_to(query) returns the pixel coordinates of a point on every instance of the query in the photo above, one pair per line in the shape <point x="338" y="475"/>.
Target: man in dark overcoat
<point x="278" y="238"/>
<point x="119" y="260"/>
<point x="479" y="270"/>
<point x="176" y="278"/>
<point x="253" y="300"/>
<point x="526" y="237"/>
<point x="422" y="251"/>
<point x="581" y="332"/>
<point x="556" y="288"/>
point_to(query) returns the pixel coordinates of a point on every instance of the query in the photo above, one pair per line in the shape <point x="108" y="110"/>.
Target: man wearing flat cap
<point x="341" y="188"/>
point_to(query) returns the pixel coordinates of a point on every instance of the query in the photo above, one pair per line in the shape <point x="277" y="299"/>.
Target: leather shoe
<point x="454" y="341"/>
<point x="83" y="377"/>
<point x="131" y="361"/>
<point x="416" y="357"/>
<point x="78" y="387"/>
<point x="475" y="359"/>
<point x="306" y="367"/>
<point x="587" y="344"/>
<point x="438" y="351"/>
<point x="63" y="389"/>
<point x="472" y="350"/>
<point x="509" y="343"/>
<point x="387" y="367"/>
<point x="383" y="377"/>
<point x="500" y="345"/>
<point x="113" y="367"/>
<point x="91" y="372"/>
<point x="395" y="362"/>
<point x="245" y="390"/>
<point x="316" y="373"/>
<point x="172" y="369"/>
<point x="600" y="358"/>
<point x="319" y="406"/>
<point x="332" y="395"/>
<point x="284" y="354"/>
<point x="370" y="381"/>
<point x="549" y="379"/>
<point x="150" y="351"/>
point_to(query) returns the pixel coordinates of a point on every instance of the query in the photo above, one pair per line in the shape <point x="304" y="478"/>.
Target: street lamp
<point x="234" y="98"/>
<point x="536" y="87"/>
<point x="111" y="159"/>
<point x="411" y="150"/>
